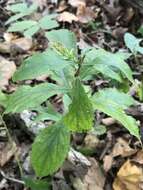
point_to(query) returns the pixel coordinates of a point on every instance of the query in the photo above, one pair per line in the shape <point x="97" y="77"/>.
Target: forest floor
<point x="109" y="160"/>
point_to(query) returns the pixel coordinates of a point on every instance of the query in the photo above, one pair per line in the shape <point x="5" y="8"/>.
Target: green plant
<point x="28" y="26"/>
<point x="69" y="70"/>
<point x="134" y="46"/>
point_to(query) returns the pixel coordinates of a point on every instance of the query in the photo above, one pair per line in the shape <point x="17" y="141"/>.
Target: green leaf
<point x="113" y="103"/>
<point x="21" y="26"/>
<point x="22" y="10"/>
<point x="50" y="149"/>
<point x="48" y="22"/>
<point x="80" y="115"/>
<point x="109" y="64"/>
<point x="66" y="102"/>
<point x="26" y="97"/>
<point x="99" y="130"/>
<point x="133" y="43"/>
<point x="31" y="9"/>
<point x="39" y="64"/>
<point x="47" y="113"/>
<point x="48" y="116"/>
<point x="3" y="99"/>
<point x="36" y="184"/>
<point x="18" y="7"/>
<point x="31" y="31"/>
<point x="64" y="37"/>
<point x="14" y="18"/>
<point x="122" y="99"/>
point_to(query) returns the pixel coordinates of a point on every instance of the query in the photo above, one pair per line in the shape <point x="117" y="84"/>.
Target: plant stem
<point x="80" y="62"/>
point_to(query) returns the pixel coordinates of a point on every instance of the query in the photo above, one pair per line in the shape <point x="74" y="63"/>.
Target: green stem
<point x="80" y="62"/>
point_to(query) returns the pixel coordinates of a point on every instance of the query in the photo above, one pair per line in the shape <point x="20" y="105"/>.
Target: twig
<point x="10" y="178"/>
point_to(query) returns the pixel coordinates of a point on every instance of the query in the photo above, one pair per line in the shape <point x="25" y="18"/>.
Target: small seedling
<point x="26" y="26"/>
<point x="69" y="71"/>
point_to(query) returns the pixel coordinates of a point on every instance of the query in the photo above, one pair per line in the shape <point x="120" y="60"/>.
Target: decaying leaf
<point x="7" y="69"/>
<point x="18" y="45"/>
<point x="129" y="177"/>
<point x="85" y="14"/>
<point x="67" y="17"/>
<point x="108" y="161"/>
<point x="139" y="157"/>
<point x="91" y="141"/>
<point x="94" y="179"/>
<point x="6" y="153"/>
<point x="24" y="44"/>
<point x="5" y="47"/>
<point x="122" y="148"/>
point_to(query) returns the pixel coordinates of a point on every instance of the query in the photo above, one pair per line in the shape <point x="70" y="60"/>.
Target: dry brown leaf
<point x="108" y="121"/>
<point x="108" y="161"/>
<point x="76" y="3"/>
<point x="129" y="15"/>
<point x="6" y="153"/>
<point x="9" y="36"/>
<point x="85" y="14"/>
<point x="5" y="47"/>
<point x="24" y="44"/>
<point x="62" y="6"/>
<point x="19" y="44"/>
<point x="7" y="69"/>
<point x="122" y="148"/>
<point x="129" y="177"/>
<point x="139" y="157"/>
<point x="91" y="141"/>
<point x="67" y="17"/>
<point x="119" y="32"/>
<point x="93" y="180"/>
